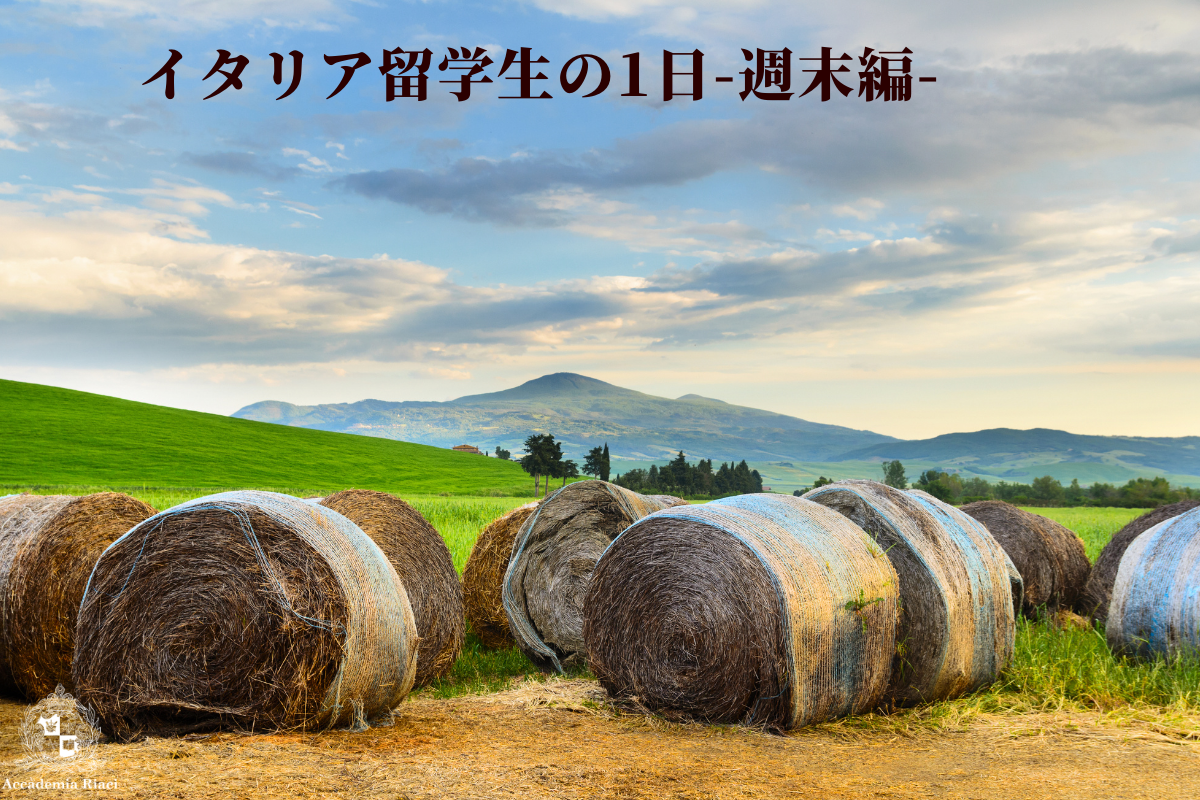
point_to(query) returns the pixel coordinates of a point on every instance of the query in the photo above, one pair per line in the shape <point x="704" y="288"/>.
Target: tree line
<point x="1044" y="491"/>
<point x="693" y="480"/>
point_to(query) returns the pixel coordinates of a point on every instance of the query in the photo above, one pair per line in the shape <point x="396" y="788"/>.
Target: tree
<point x="821" y="481"/>
<point x="567" y="469"/>
<point x="607" y="464"/>
<point x="944" y="486"/>
<point x="502" y="454"/>
<point x="535" y="461"/>
<point x="593" y="463"/>
<point x="893" y="475"/>
<point x="1047" y="490"/>
<point x="543" y="456"/>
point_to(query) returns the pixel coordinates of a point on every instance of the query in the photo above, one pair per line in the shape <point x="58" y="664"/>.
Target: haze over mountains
<point x="584" y="412"/>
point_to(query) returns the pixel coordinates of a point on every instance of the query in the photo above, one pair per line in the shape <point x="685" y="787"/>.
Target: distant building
<point x="467" y="448"/>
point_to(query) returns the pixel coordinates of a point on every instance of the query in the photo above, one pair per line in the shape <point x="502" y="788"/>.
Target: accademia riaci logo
<point x="59" y="728"/>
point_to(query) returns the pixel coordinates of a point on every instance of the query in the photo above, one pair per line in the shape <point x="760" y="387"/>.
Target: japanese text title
<point x="882" y="75"/>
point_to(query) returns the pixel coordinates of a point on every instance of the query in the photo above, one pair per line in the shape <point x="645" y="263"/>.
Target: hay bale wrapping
<point x="552" y="560"/>
<point x="758" y="609"/>
<point x="1097" y="593"/>
<point x="1155" y="607"/>
<point x="48" y="546"/>
<point x="957" y="624"/>
<point x="1051" y="559"/>
<point x="243" y="609"/>
<point x="483" y="577"/>
<point x="423" y="562"/>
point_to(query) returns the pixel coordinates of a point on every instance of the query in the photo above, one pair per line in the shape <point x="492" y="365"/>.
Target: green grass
<point x="1094" y="525"/>
<point x="62" y="438"/>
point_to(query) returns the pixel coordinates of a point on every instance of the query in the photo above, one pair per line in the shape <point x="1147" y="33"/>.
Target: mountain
<point x="1004" y="452"/>
<point x="582" y="412"/>
<point x="61" y="437"/>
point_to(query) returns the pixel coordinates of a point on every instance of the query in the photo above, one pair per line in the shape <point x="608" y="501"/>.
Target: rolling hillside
<point x="54" y="436"/>
<point x="583" y="412"/>
<point x="790" y="452"/>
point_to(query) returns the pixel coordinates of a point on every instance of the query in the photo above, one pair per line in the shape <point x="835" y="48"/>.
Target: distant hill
<point x="54" y="436"/>
<point x="582" y="412"/>
<point x="1005" y="452"/>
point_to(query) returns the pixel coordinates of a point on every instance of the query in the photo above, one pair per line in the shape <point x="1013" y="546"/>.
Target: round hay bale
<point x="483" y="577"/>
<point x="758" y="609"/>
<point x="957" y="622"/>
<point x="552" y="560"/>
<point x="1051" y="559"/>
<point x="423" y="561"/>
<point x="1097" y="593"/>
<point x="250" y="610"/>
<point x="1155" y="608"/>
<point x="48" y="546"/>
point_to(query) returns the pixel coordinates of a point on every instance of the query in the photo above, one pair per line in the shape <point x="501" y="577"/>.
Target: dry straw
<point x="483" y="577"/>
<point x="423" y="561"/>
<point x="1097" y="593"/>
<point x="552" y="560"/>
<point x="759" y="609"/>
<point x="957" y="626"/>
<point x="48" y="546"/>
<point x="1155" y="607"/>
<point x="250" y="610"/>
<point x="1051" y="559"/>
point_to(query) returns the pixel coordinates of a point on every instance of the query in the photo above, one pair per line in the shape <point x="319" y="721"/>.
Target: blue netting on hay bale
<point x="801" y="589"/>
<point x="1155" y="608"/>
<point x="957" y="620"/>
<point x="374" y="636"/>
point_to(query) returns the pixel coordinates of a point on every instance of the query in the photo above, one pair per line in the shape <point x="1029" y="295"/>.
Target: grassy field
<point x="1094" y="525"/>
<point x="62" y="438"/>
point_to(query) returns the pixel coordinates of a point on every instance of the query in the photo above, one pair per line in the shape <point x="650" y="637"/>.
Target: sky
<point x="1014" y="246"/>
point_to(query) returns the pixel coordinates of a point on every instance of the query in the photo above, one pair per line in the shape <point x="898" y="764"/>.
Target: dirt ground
<point x="563" y="740"/>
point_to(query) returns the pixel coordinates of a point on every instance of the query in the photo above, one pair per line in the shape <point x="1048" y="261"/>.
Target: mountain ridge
<point x="584" y="412"/>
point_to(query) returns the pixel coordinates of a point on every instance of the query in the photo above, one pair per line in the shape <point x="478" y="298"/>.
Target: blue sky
<point x="1015" y="246"/>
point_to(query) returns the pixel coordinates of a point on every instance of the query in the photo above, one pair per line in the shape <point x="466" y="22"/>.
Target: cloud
<point x="198" y="15"/>
<point x="88" y="280"/>
<point x="976" y="124"/>
<point x="241" y="163"/>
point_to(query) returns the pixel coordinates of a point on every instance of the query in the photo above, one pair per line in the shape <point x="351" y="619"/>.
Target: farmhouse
<point x="467" y="448"/>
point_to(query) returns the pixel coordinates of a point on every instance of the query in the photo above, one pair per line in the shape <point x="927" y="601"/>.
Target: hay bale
<point x="759" y="609"/>
<point x="250" y="610"/>
<point x="1051" y="559"/>
<point x="552" y="560"/>
<point x="48" y="546"/>
<point x="483" y="577"/>
<point x="422" y="560"/>
<point x="1097" y="593"/>
<point x="1155" y="607"/>
<point x="957" y="622"/>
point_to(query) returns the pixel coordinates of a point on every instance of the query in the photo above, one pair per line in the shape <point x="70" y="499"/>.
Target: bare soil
<point x="563" y="740"/>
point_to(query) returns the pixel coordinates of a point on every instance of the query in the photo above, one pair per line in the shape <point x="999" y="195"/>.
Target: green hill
<point x="52" y="436"/>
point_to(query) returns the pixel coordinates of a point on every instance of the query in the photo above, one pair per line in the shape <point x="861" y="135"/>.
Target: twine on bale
<point x="422" y="560"/>
<point x="759" y="609"/>
<point x="483" y="577"/>
<point x="48" y="546"/>
<point x="251" y="610"/>
<point x="1155" y="607"/>
<point x="957" y="620"/>
<point x="552" y="560"/>
<point x="1097" y="593"/>
<point x="1051" y="559"/>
